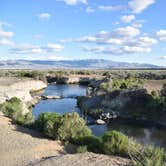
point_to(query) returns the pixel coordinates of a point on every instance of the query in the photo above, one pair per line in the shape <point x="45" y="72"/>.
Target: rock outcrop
<point x="20" y="88"/>
<point x="118" y="103"/>
<point x="73" y="79"/>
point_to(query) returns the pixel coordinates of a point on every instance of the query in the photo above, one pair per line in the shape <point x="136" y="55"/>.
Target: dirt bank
<point x="86" y="159"/>
<point x="20" y="146"/>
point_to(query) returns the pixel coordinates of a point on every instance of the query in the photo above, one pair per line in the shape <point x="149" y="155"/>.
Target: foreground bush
<point x="72" y="127"/>
<point x="23" y="119"/>
<point x="81" y="149"/>
<point x="63" y="127"/>
<point x="13" y="109"/>
<point x="148" y="156"/>
<point x="93" y="143"/>
<point x="115" y="143"/>
<point x="48" y="123"/>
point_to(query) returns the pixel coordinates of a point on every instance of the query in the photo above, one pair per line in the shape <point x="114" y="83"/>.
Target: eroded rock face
<point x="69" y="80"/>
<point x="19" y="88"/>
<point x="120" y="101"/>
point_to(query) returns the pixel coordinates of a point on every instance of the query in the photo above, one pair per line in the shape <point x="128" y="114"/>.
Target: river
<point x="143" y="134"/>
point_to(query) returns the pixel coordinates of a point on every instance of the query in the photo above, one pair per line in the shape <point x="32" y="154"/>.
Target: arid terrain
<point x="21" y="146"/>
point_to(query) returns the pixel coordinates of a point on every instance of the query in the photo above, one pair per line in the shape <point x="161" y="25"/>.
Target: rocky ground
<point x="86" y="159"/>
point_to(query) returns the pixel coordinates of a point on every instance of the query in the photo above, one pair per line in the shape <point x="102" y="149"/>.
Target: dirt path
<point x="20" y="146"/>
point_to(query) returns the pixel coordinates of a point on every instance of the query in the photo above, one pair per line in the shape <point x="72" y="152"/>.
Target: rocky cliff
<point x="20" y="88"/>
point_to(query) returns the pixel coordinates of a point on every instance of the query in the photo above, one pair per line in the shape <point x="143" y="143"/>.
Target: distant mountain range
<point x="78" y="64"/>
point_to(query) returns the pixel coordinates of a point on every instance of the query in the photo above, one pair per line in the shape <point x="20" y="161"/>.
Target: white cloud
<point x="88" y="39"/>
<point x="163" y="57"/>
<point x="127" y="18"/>
<point x="137" y="6"/>
<point x="56" y="47"/>
<point x="116" y="36"/>
<point x="5" y="36"/>
<point x="6" y="42"/>
<point x="128" y="31"/>
<point x="161" y="34"/>
<point x="35" y="49"/>
<point x="44" y="16"/>
<point x="74" y="2"/>
<point x="124" y="40"/>
<point x="90" y="10"/>
<point x="147" y="41"/>
<point x="135" y="49"/>
<point x="111" y="8"/>
<point x="117" y="50"/>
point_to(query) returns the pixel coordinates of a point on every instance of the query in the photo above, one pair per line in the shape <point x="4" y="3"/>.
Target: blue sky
<point x="119" y="30"/>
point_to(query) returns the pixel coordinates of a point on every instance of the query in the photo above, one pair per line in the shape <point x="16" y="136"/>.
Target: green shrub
<point x="13" y="110"/>
<point x="115" y="143"/>
<point x="9" y="108"/>
<point x="93" y="143"/>
<point x="48" y="123"/>
<point x="72" y="127"/>
<point x="81" y="149"/>
<point x="149" y="156"/>
<point x="121" y="84"/>
<point x="157" y="102"/>
<point x="26" y="119"/>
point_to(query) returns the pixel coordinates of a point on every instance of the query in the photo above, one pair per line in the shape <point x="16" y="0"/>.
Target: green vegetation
<point x="158" y="101"/>
<point x="115" y="143"/>
<point x="93" y="143"/>
<point x="148" y="156"/>
<point x="81" y="149"/>
<point x="10" y="107"/>
<point x="63" y="127"/>
<point x="121" y="84"/>
<point x="13" y="110"/>
<point x="48" y="123"/>
<point x="72" y="127"/>
<point x="114" y="74"/>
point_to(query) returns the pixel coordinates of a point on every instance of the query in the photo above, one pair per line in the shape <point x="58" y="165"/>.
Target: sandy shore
<point x="20" y="146"/>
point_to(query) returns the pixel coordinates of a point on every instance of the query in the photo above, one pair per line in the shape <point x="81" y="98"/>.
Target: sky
<point x="118" y="30"/>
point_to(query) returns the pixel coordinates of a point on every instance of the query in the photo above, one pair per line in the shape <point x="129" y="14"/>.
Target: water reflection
<point x="144" y="135"/>
<point x="65" y="90"/>
<point x="60" y="106"/>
